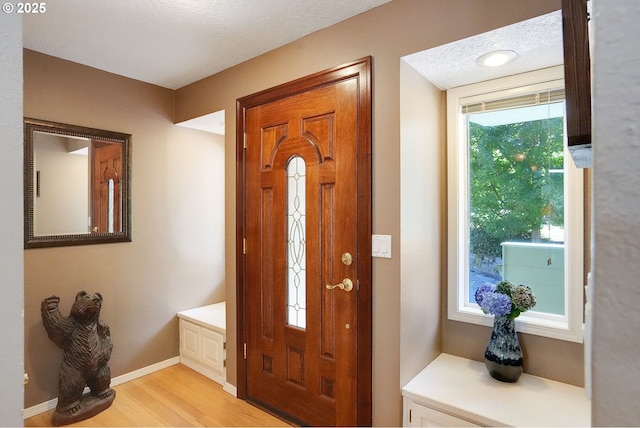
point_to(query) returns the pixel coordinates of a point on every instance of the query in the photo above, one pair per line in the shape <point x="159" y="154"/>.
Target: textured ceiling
<point x="172" y="43"/>
<point x="538" y="42"/>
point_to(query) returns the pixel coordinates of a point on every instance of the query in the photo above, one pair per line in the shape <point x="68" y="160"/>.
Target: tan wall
<point x="176" y="259"/>
<point x="387" y="33"/>
<point x="422" y="203"/>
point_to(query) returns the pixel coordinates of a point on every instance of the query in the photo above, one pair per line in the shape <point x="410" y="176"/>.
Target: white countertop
<point x="207" y="316"/>
<point x="464" y="388"/>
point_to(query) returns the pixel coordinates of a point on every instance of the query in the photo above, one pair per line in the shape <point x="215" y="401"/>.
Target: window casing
<point x="566" y="325"/>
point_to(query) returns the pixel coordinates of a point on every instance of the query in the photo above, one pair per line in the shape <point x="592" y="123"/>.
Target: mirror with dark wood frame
<point x="76" y="185"/>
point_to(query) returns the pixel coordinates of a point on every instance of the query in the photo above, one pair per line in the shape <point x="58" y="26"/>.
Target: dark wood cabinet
<point x="577" y="71"/>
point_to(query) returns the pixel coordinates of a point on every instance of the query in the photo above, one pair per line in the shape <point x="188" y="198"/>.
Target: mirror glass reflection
<point x="76" y="185"/>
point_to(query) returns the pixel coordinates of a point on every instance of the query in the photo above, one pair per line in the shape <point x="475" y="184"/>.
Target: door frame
<point x="362" y="70"/>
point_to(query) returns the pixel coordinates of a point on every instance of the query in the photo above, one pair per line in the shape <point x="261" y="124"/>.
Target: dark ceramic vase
<point x="503" y="356"/>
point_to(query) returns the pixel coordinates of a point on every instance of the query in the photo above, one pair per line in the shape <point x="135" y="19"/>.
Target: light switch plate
<point x="381" y="246"/>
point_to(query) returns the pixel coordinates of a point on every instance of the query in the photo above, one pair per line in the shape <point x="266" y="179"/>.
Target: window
<point x="296" y="250"/>
<point x="515" y="201"/>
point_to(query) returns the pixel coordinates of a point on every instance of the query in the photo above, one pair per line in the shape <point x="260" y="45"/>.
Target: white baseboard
<point x="231" y="389"/>
<point x="204" y="370"/>
<point x="144" y="371"/>
<point x="51" y="404"/>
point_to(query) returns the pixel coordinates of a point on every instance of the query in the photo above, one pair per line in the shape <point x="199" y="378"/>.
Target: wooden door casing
<point x="339" y="322"/>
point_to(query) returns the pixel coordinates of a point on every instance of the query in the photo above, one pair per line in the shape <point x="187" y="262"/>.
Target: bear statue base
<point x="89" y="407"/>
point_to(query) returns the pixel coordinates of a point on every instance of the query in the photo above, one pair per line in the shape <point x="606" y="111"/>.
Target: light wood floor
<point x="175" y="396"/>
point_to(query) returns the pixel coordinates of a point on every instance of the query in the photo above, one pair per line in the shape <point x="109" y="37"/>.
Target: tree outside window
<point x="516" y="184"/>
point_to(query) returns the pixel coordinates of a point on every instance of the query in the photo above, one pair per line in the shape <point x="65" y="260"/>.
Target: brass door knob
<point x="346" y="285"/>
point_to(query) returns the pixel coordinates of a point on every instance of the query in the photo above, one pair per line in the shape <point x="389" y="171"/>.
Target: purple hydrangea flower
<point x="504" y="298"/>
<point x="496" y="303"/>
<point x="484" y="288"/>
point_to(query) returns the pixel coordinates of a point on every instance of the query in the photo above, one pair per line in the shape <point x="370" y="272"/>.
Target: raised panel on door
<point x="213" y="350"/>
<point x="190" y="340"/>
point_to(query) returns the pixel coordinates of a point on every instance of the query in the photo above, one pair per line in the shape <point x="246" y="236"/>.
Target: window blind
<point x="537" y="98"/>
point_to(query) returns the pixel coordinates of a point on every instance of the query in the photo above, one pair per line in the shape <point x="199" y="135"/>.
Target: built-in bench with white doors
<point x="202" y="340"/>
<point x="454" y="391"/>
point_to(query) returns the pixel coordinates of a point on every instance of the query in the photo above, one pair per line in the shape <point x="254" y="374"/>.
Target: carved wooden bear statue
<point x="86" y="342"/>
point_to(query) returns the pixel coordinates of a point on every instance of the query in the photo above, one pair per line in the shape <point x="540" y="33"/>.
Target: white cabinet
<point x="202" y="340"/>
<point x="454" y="392"/>
<point x="422" y="416"/>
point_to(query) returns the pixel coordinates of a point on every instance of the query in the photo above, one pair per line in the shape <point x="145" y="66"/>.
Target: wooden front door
<point x="305" y="272"/>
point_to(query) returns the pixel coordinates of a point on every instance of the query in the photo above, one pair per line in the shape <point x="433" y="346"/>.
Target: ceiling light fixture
<point x="497" y="58"/>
